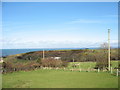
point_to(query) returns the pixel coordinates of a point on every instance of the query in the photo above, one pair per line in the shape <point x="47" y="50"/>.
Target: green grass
<point x="83" y="65"/>
<point x="59" y="79"/>
<point x="86" y="65"/>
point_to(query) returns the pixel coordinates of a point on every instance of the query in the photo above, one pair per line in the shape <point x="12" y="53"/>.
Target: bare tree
<point x="102" y="57"/>
<point x="104" y="45"/>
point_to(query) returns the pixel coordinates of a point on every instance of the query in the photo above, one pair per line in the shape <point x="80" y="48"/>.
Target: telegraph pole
<point x="109" y="49"/>
<point x="73" y="59"/>
<point x="43" y="54"/>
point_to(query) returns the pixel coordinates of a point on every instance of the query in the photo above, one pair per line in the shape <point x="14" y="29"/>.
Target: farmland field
<point x="59" y="79"/>
<point x="86" y="65"/>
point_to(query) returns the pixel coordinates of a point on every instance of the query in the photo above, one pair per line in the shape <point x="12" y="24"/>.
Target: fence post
<point x="98" y="70"/>
<point x="88" y="69"/>
<point x="117" y="73"/>
<point x="80" y="69"/>
<point x="111" y="70"/>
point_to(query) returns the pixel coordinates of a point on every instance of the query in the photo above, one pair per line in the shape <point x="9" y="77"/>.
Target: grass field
<point x="86" y="65"/>
<point x="61" y="79"/>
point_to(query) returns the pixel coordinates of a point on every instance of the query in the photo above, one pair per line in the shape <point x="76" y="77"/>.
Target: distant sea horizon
<point x="7" y="52"/>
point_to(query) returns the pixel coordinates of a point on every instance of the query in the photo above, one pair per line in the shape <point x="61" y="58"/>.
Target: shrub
<point x="50" y="62"/>
<point x="64" y="63"/>
<point x="10" y="67"/>
<point x="101" y="60"/>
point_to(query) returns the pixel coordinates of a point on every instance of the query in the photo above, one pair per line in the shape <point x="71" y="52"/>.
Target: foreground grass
<point x="59" y="79"/>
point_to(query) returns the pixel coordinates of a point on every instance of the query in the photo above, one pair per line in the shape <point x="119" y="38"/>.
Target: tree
<point x="104" y="46"/>
<point x="101" y="60"/>
<point x="102" y="57"/>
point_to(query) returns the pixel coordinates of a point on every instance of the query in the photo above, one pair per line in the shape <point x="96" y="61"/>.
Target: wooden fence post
<point x="98" y="70"/>
<point x="111" y="70"/>
<point x="88" y="69"/>
<point x="80" y="69"/>
<point x="117" y="73"/>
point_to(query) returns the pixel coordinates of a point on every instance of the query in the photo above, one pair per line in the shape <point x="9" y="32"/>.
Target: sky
<point x="58" y="24"/>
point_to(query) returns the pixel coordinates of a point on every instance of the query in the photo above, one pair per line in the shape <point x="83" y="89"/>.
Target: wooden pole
<point x="109" y="49"/>
<point x="73" y="64"/>
<point x="111" y="70"/>
<point x="98" y="70"/>
<point x="43" y="54"/>
<point x="79" y="67"/>
<point x="73" y="59"/>
<point x="117" y="73"/>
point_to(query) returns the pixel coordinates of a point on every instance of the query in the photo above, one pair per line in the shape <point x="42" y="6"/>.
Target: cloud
<point x="54" y="44"/>
<point x="84" y="21"/>
<point x="105" y="19"/>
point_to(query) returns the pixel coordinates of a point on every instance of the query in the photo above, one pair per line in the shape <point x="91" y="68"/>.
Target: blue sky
<point x="58" y="25"/>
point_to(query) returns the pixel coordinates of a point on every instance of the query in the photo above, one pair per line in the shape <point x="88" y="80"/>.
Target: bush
<point x="101" y="60"/>
<point x="64" y="63"/>
<point x="10" y="67"/>
<point x="50" y="62"/>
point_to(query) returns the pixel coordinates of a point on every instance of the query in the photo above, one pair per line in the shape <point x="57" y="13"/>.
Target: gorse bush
<point x="31" y="65"/>
<point x="50" y="62"/>
<point x="11" y="67"/>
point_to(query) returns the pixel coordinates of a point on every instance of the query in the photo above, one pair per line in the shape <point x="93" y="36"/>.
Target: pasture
<point x="44" y="78"/>
<point x="86" y="65"/>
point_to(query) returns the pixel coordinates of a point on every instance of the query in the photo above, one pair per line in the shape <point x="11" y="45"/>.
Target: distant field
<point x="86" y="65"/>
<point x="60" y="79"/>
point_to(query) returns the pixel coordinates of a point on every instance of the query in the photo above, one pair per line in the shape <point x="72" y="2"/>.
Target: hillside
<point x="57" y="58"/>
<point x="81" y="55"/>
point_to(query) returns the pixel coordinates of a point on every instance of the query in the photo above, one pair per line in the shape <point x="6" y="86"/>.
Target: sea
<point x="7" y="52"/>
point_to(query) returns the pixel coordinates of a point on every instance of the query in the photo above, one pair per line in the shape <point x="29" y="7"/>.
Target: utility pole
<point x="109" y="49"/>
<point x="43" y="54"/>
<point x="73" y="63"/>
<point x="73" y="59"/>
